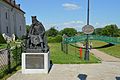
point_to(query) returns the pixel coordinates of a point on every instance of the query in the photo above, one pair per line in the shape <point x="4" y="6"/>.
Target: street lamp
<point x="87" y="29"/>
<point x="88" y="12"/>
<point x="87" y="44"/>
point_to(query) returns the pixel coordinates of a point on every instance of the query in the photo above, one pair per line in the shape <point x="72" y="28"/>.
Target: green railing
<point x="113" y="40"/>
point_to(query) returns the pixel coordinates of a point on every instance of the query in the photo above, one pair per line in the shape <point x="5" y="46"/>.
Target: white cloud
<point x="71" y="6"/>
<point x="77" y="24"/>
<point x="73" y="24"/>
<point x="98" y="25"/>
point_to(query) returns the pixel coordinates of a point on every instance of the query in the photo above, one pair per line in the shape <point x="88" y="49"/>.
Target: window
<point x="7" y="30"/>
<point x="20" y="28"/>
<point x="6" y="15"/>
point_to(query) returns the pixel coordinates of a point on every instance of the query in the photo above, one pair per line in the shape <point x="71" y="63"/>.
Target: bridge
<point x="113" y="40"/>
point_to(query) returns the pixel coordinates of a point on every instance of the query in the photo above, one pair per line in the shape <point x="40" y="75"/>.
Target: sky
<point x="72" y="13"/>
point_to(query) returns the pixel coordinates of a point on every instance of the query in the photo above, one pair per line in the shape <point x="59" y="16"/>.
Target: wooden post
<point x="16" y="54"/>
<point x="61" y="46"/>
<point x="9" y="58"/>
<point x="66" y="49"/>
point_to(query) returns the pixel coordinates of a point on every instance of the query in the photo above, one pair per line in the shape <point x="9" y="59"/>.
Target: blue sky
<point x="72" y="13"/>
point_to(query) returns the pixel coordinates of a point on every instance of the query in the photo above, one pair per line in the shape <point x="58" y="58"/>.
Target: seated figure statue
<point x="36" y="40"/>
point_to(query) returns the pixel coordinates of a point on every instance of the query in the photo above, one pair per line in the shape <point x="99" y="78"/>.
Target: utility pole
<point x="87" y="44"/>
<point x="87" y="29"/>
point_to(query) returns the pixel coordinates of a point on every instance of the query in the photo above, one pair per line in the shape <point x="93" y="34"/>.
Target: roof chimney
<point x="14" y="2"/>
<point x="19" y="5"/>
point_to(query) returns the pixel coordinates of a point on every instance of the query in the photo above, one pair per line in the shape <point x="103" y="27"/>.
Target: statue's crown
<point x="34" y="17"/>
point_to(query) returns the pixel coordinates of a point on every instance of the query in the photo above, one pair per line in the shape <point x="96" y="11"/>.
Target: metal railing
<point x="10" y="58"/>
<point x="114" y="40"/>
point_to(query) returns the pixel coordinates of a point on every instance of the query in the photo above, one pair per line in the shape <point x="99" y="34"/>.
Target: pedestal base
<point x="33" y="63"/>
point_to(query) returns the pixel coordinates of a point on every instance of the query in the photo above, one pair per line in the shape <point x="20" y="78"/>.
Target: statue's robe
<point x="37" y="32"/>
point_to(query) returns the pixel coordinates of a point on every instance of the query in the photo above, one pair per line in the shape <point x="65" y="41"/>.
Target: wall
<point x="15" y="22"/>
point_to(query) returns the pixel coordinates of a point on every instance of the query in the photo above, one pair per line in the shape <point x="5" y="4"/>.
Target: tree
<point x="2" y="40"/>
<point x="98" y="31"/>
<point x="27" y="28"/>
<point x="69" y="31"/>
<point x="110" y="30"/>
<point x="80" y="33"/>
<point x="52" y="32"/>
<point x="118" y="32"/>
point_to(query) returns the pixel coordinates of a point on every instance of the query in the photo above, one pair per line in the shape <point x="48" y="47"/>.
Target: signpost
<point x="87" y="29"/>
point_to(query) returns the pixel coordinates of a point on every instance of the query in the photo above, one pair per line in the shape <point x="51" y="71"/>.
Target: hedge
<point x="2" y="40"/>
<point x="55" y="39"/>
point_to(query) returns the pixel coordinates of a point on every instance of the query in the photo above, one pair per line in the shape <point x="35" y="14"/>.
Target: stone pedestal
<point x="33" y="63"/>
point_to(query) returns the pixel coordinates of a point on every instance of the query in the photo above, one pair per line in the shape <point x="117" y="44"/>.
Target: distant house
<point x="12" y="20"/>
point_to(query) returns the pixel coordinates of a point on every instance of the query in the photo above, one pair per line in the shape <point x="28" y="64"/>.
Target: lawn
<point x="97" y="44"/>
<point x="2" y="46"/>
<point x="59" y="57"/>
<point x="111" y="50"/>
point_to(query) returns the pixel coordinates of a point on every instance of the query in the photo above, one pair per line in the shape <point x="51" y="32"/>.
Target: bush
<point x="16" y="37"/>
<point x="52" y="32"/>
<point x="2" y="40"/>
<point x="56" y="39"/>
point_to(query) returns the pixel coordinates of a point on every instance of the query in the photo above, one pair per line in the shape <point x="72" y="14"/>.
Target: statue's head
<point x="34" y="18"/>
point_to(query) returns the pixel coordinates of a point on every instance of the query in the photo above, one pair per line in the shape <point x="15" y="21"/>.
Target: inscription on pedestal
<point x="34" y="61"/>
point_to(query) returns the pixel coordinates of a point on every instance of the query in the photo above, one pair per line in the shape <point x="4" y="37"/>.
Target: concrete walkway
<point x="103" y="56"/>
<point x="104" y="71"/>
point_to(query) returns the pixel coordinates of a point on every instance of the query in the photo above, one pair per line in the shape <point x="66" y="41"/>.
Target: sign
<point x="88" y="29"/>
<point x="35" y="61"/>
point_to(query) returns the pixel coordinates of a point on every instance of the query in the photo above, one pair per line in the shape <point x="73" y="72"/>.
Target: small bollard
<point x="80" y="50"/>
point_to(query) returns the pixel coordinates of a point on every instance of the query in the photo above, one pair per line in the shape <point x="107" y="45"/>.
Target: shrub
<point x="2" y="40"/>
<point x="56" y="39"/>
<point x="16" y="37"/>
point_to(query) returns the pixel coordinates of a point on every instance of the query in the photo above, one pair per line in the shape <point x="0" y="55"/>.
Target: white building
<point x="12" y="20"/>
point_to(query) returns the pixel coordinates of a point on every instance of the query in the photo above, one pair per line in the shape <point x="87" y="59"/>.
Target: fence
<point x="64" y="47"/>
<point x="68" y="40"/>
<point x="10" y="58"/>
<point x="114" y="40"/>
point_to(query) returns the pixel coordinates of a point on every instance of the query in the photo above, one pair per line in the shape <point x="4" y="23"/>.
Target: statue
<point x="35" y="39"/>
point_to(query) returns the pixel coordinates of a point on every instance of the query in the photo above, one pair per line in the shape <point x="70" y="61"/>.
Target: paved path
<point x="104" y="57"/>
<point x="104" y="71"/>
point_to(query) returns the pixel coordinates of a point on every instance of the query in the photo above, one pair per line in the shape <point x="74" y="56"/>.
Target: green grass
<point x="112" y="50"/>
<point x="10" y="74"/>
<point x="98" y="43"/>
<point x="59" y="57"/>
<point x="2" y="46"/>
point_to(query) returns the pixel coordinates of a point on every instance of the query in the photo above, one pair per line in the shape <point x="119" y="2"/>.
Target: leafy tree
<point x="52" y="32"/>
<point x="27" y="28"/>
<point x="69" y="31"/>
<point x="80" y="33"/>
<point x="56" y="39"/>
<point x="98" y="31"/>
<point x="110" y="30"/>
<point x="2" y="40"/>
<point x="119" y="32"/>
